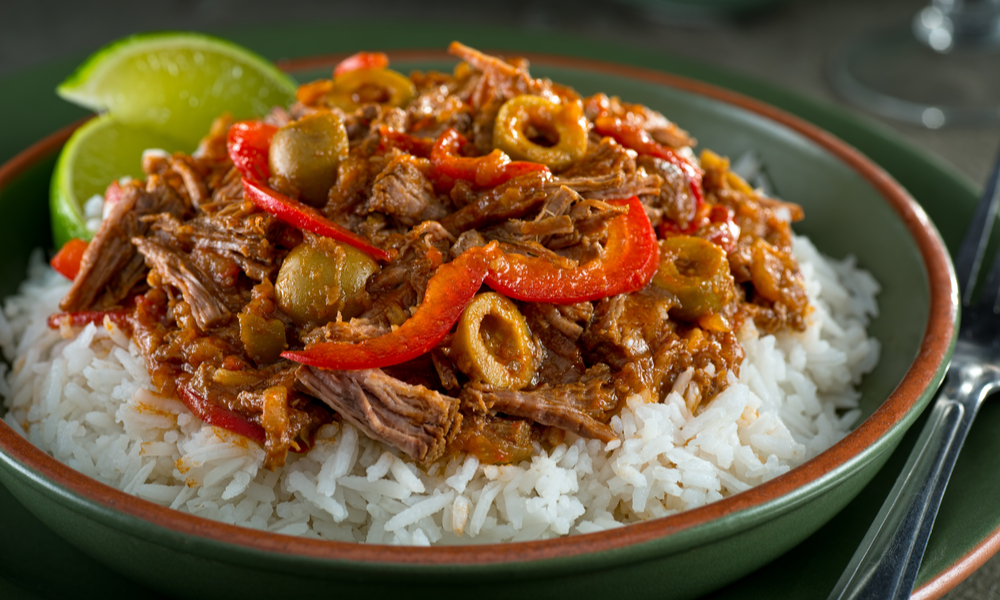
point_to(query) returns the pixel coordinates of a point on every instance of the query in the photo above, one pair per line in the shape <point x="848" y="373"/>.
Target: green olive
<point x="696" y="272"/>
<point x="307" y="153"/>
<point x="492" y="343"/>
<point x="264" y="339"/>
<point x="537" y="129"/>
<point x="308" y="284"/>
<point x="354" y="274"/>
<point x="353" y="89"/>
<point x="320" y="278"/>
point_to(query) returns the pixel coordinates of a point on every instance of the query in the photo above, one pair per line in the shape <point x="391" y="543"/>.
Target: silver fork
<point x="885" y="565"/>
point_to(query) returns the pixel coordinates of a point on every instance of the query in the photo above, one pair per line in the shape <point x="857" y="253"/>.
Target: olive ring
<point x="563" y="121"/>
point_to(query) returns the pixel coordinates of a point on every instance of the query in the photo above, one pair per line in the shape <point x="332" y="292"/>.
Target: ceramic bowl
<point x="852" y="207"/>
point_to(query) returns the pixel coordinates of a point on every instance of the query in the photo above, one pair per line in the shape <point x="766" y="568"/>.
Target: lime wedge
<point x="159" y="90"/>
<point x="177" y="83"/>
<point x="101" y="151"/>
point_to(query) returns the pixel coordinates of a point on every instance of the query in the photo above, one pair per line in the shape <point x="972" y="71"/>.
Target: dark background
<point x="784" y="43"/>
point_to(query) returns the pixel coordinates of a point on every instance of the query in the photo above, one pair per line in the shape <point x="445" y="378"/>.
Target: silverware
<point x="885" y="565"/>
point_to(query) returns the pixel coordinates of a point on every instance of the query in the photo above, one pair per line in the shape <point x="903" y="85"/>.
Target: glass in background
<point x="942" y="69"/>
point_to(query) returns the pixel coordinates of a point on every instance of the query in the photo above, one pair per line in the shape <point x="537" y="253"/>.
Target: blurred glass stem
<point x="948" y="25"/>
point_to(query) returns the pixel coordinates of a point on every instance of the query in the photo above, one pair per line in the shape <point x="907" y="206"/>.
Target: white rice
<point x="88" y="401"/>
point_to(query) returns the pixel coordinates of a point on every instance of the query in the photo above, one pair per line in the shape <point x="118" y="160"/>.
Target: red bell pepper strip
<point x="631" y="258"/>
<point x="218" y="416"/>
<point x="416" y="146"/>
<point x="448" y="292"/>
<point x="67" y="261"/>
<point x="81" y="319"/>
<point x="635" y="137"/>
<point x="361" y="60"/>
<point x="223" y="418"/>
<point x="307" y="218"/>
<point x="483" y="171"/>
<point x="248" y="143"/>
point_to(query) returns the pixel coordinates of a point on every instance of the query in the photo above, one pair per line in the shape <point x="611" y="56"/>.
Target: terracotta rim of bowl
<point x="933" y="351"/>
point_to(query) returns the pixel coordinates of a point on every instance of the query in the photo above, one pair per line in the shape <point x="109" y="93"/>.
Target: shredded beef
<point x="437" y="107"/>
<point x="412" y="418"/>
<point x="552" y="219"/>
<point x="403" y="191"/>
<point x="254" y="255"/>
<point x="774" y="290"/>
<point x="111" y="267"/>
<point x="197" y="191"/>
<point x="558" y="329"/>
<point x="566" y="239"/>
<point x="581" y="407"/>
<point x="711" y="356"/>
<point x="353" y="175"/>
<point x="625" y="332"/>
<point x="211" y="233"/>
<point x="510" y="200"/>
<point x="615" y="336"/>
<point x="673" y="200"/>
<point x="608" y="171"/>
<point x="400" y="285"/>
<point x="355" y="330"/>
<point x="494" y="438"/>
<point x="200" y="289"/>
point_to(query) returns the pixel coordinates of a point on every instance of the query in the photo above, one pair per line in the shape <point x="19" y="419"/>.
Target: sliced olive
<point x="696" y="272"/>
<point x="492" y="343"/>
<point x="307" y="153"/>
<point x="537" y="129"/>
<point x="353" y="89"/>
<point x="775" y="275"/>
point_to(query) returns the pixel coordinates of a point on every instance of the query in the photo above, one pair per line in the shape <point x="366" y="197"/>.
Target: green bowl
<point x="852" y="207"/>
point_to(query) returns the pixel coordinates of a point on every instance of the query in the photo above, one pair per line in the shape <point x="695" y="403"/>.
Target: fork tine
<point x="977" y="237"/>
<point x="991" y="288"/>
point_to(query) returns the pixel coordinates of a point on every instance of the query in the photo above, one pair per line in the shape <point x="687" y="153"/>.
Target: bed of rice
<point x="88" y="401"/>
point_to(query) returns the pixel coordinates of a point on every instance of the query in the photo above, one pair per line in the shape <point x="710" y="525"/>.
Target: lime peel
<point x="176" y="82"/>
<point x="99" y="152"/>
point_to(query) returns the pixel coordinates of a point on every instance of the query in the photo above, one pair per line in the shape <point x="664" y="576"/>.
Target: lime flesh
<point x="101" y="151"/>
<point x="177" y="83"/>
